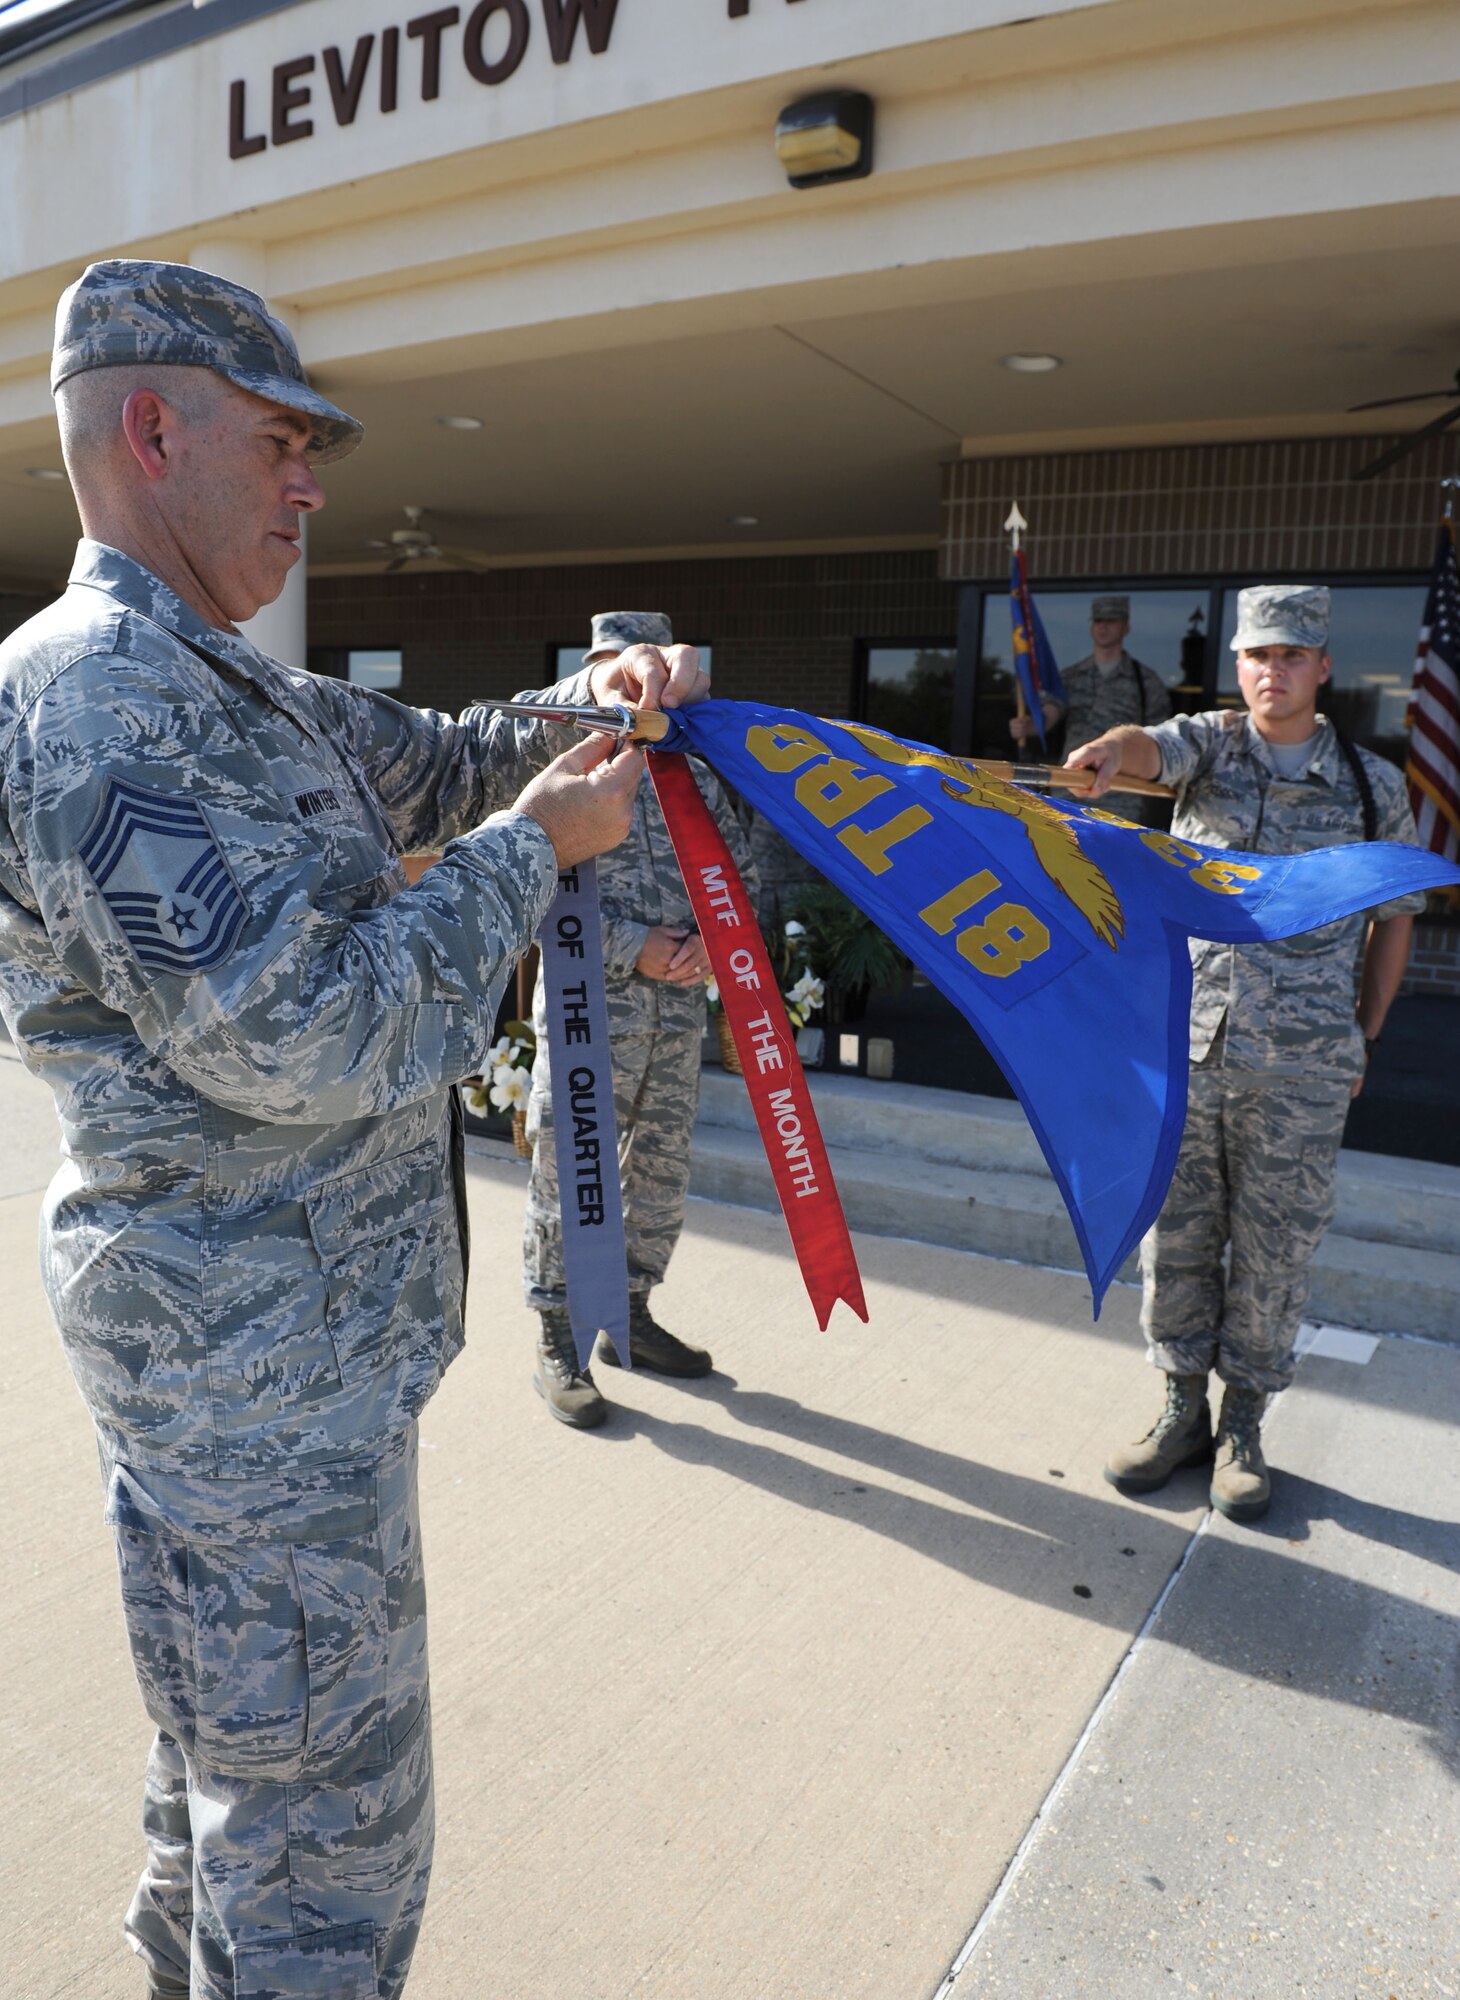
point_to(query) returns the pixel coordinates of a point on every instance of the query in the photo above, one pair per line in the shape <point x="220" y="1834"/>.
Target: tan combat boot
<point x="1181" y="1435"/>
<point x="568" y="1390"/>
<point x="653" y="1347"/>
<point x="1241" y="1488"/>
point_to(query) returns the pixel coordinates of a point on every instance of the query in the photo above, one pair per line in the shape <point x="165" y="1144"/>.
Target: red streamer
<point x="763" y="1040"/>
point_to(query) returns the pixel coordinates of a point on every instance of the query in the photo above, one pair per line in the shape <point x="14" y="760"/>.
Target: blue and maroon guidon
<point x="159" y="866"/>
<point x="1034" y="660"/>
<point x="1059" y="930"/>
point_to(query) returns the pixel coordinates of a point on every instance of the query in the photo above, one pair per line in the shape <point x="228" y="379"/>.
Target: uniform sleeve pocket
<point x="386" y="1238"/>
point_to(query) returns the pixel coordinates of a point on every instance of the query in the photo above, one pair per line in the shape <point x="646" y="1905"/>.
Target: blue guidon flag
<point x="1058" y="929"/>
<point x="159" y="866"/>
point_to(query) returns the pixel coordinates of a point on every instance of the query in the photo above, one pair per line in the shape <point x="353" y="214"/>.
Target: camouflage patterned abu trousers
<point x="656" y="1092"/>
<point x="278" y="1630"/>
<point x="1257" y="1170"/>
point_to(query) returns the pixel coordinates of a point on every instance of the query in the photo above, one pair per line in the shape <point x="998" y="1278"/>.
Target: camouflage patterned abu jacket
<point x="1096" y="702"/>
<point x="1289" y="1006"/>
<point x="209" y="950"/>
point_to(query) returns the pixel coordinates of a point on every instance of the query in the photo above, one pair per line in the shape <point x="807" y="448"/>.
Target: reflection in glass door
<point x="908" y="690"/>
<point x="1168" y="634"/>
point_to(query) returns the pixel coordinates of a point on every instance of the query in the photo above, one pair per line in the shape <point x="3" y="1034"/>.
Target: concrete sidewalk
<point x="758" y="1692"/>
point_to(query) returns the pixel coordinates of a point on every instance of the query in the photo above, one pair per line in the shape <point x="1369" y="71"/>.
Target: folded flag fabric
<point x="1059" y="930"/>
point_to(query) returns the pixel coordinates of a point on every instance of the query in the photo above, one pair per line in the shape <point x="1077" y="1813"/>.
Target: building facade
<point x="1128" y="262"/>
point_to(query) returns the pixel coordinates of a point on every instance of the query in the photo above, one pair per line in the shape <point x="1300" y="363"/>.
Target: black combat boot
<point x="568" y="1390"/>
<point x="1181" y="1435"/>
<point x="652" y="1348"/>
<point x="1241" y="1488"/>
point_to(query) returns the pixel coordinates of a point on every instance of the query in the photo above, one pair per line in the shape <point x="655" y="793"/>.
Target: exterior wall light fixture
<point x="826" y="138"/>
<point x="1031" y="364"/>
<point x="461" y="423"/>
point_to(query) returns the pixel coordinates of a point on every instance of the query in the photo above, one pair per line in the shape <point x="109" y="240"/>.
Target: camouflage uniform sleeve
<point x="1188" y="746"/>
<point x="626" y="891"/>
<point x="1395" y="822"/>
<point x="623" y="940"/>
<point x="1158" y="695"/>
<point x="272" y="985"/>
<point x="436" y="777"/>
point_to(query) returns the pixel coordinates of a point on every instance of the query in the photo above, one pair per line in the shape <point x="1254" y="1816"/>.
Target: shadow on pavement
<point x="1041" y="1541"/>
<point x="1305" y="1501"/>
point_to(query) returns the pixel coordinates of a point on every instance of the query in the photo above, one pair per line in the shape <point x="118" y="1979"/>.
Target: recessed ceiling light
<point x="1031" y="364"/>
<point x="743" y="520"/>
<point x="44" y="472"/>
<point x="461" y="423"/>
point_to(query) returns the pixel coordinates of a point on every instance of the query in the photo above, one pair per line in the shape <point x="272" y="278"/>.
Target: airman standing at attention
<point x="655" y="967"/>
<point x="1104" y="689"/>
<point x="1279" y="1044"/>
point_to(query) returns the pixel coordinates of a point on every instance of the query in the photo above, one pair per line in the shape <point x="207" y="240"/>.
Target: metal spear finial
<point x="1016" y="524"/>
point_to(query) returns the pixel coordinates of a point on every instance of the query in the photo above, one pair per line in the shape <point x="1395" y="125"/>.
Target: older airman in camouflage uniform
<point x="1278" y="1044"/>
<point x="254" y="1248"/>
<point x="655" y="968"/>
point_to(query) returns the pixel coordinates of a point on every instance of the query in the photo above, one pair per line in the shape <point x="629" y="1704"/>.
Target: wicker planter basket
<point x="728" y="1057"/>
<point x="519" y="1134"/>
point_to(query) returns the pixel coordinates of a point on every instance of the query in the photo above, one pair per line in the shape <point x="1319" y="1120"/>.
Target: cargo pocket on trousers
<point x="289" y="1646"/>
<point x="336" y="1964"/>
<point x="386" y="1237"/>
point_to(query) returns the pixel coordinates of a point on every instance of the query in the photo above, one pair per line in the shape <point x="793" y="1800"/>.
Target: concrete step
<point x="888" y="1193"/>
<point x="943" y="1167"/>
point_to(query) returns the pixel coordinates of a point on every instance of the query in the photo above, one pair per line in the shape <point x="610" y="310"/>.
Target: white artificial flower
<point x="476" y="1097"/>
<point x="807" y="994"/>
<point x="795" y="930"/>
<point x="712" y="992"/>
<point x="501" y="1051"/>
<point x="501" y="1070"/>
<point x="509" y="1089"/>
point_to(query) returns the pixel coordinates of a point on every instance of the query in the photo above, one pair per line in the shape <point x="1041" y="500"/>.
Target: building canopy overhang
<point x="1224" y="228"/>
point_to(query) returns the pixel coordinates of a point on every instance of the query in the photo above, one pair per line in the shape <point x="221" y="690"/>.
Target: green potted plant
<point x="849" y="952"/>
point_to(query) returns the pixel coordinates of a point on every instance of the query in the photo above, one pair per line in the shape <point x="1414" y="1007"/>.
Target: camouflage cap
<point x="1110" y="607"/>
<point x="124" y="311"/>
<point x="613" y="630"/>
<point x="1282" y="614"/>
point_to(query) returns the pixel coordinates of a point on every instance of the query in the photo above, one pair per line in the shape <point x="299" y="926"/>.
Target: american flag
<point x="1433" y="764"/>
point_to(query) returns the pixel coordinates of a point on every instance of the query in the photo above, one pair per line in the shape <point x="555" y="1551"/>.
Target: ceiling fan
<point x="1416" y="438"/>
<point x="414" y="543"/>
